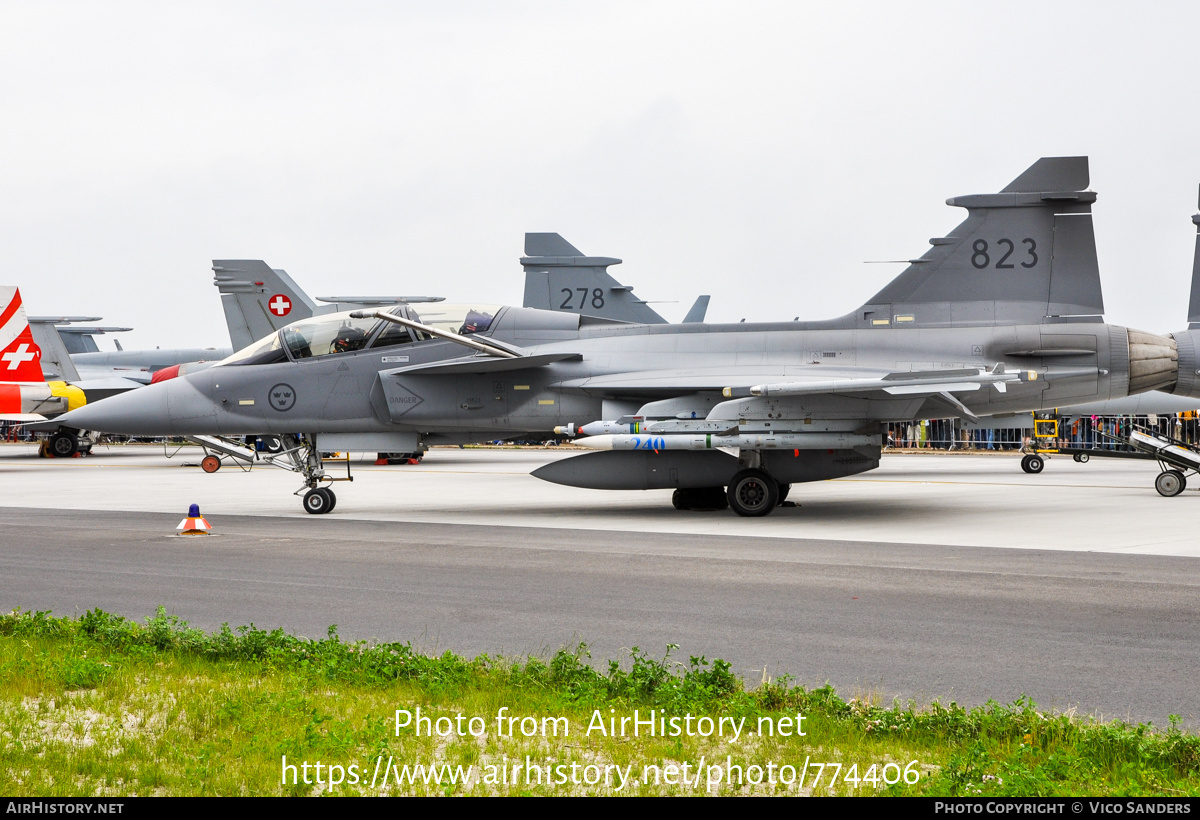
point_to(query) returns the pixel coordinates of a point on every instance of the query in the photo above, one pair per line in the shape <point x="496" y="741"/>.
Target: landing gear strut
<point x="306" y="459"/>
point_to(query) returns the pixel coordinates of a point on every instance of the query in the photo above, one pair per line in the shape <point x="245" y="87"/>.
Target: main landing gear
<point x="753" y="493"/>
<point x="703" y="499"/>
<point x="749" y="493"/>
<point x="63" y="444"/>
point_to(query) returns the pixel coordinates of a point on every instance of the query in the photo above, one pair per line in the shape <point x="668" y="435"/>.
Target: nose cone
<point x="140" y="412"/>
<point x="174" y="407"/>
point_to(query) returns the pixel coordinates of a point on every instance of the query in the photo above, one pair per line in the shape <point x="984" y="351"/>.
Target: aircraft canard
<point x="1003" y="314"/>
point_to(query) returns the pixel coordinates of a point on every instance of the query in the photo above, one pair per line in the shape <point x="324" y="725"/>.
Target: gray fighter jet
<point x="1002" y="314"/>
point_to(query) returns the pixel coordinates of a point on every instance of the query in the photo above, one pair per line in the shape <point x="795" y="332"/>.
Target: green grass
<point x="101" y="705"/>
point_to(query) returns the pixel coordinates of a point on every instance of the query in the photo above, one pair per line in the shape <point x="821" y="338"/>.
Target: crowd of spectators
<point x="1082" y="432"/>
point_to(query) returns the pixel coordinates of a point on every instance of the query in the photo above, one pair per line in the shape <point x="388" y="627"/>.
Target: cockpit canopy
<point x="334" y="333"/>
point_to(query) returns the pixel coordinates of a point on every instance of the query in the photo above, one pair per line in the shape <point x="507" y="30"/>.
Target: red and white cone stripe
<point x="194" y="525"/>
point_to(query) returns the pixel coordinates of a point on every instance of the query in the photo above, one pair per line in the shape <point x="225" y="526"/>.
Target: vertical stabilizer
<point x="559" y="277"/>
<point x="1025" y="255"/>
<point x="257" y="299"/>
<point x="1194" y="302"/>
<point x="20" y="356"/>
<point x="56" y="359"/>
<point x="699" y="309"/>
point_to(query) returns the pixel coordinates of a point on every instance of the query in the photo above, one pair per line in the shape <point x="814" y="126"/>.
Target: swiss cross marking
<point x="280" y="305"/>
<point x="18" y="357"/>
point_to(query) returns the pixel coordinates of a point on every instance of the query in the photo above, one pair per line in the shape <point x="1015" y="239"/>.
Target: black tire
<point x="317" y="502"/>
<point x="1077" y="458"/>
<point x="63" y="445"/>
<point x="714" y="498"/>
<point x="332" y="498"/>
<point x="752" y="493"/>
<point x="784" y="489"/>
<point x="702" y="499"/>
<point x="1170" y="483"/>
<point x="1032" y="464"/>
<point x="210" y="464"/>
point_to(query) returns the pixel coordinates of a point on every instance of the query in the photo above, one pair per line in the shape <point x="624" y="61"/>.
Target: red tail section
<point x="20" y="357"/>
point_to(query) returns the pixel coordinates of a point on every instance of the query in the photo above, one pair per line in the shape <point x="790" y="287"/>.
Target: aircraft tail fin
<point x="258" y="300"/>
<point x="699" y="309"/>
<point x="56" y="357"/>
<point x="20" y="356"/>
<point x="1025" y="255"/>
<point x="559" y="277"/>
<point x="1194" y="302"/>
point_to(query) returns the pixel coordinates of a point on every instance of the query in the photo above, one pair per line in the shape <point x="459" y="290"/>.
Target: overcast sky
<point x="759" y="152"/>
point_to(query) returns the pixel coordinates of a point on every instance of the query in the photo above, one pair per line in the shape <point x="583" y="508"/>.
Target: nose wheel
<point x="319" y="501"/>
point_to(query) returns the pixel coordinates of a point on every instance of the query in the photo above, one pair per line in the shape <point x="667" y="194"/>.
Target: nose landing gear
<point x="319" y="500"/>
<point x="305" y="458"/>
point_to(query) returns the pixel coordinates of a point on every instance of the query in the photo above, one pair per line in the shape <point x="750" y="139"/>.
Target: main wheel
<point x="1170" y="483"/>
<point x="713" y="498"/>
<point x="63" y="445"/>
<point x="752" y="493"/>
<point x="332" y="498"/>
<point x="318" y="501"/>
<point x="1032" y="464"/>
<point x="210" y="464"/>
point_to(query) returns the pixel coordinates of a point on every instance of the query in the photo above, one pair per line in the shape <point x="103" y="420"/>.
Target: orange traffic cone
<point x="194" y="524"/>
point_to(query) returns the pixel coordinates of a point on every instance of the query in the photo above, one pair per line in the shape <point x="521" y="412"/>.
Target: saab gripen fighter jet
<point x="1002" y="314"/>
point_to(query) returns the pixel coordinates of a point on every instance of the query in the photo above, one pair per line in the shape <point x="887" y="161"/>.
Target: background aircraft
<point x="70" y="352"/>
<point x="559" y="277"/>
<point x="25" y="395"/>
<point x="259" y="300"/>
<point x="1004" y="314"/>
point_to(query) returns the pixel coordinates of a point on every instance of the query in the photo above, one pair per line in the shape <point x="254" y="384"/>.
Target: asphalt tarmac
<point x="1076" y="587"/>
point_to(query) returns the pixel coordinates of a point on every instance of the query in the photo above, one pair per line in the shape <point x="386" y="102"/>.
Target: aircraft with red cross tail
<point x="25" y="395"/>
